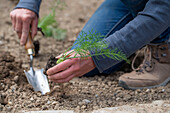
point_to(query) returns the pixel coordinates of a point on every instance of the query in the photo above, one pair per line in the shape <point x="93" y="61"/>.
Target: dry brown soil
<point x="81" y="94"/>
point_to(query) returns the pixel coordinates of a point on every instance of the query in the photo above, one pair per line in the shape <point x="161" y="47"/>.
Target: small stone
<point x="39" y="94"/>
<point x="127" y="97"/>
<point x="16" y="78"/>
<point x="83" y="107"/>
<point x="148" y="90"/>
<point x="2" y="86"/>
<point x="86" y="101"/>
<point x="48" y="102"/>
<point x="10" y="103"/>
<point x="117" y="99"/>
<point x="31" y="99"/>
<point x="96" y="95"/>
<point x="44" y="107"/>
<point x="12" y="73"/>
<point x="54" y="103"/>
<point x="163" y="90"/>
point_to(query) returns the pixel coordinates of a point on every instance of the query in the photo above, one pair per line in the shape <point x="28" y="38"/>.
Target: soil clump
<point x="50" y="63"/>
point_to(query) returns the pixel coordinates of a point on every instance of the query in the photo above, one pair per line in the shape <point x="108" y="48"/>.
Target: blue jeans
<point x="111" y="16"/>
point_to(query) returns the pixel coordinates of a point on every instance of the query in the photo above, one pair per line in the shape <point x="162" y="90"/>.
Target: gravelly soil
<point x="81" y="94"/>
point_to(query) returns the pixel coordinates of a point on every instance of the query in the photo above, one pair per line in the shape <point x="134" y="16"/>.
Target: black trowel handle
<point x="29" y="46"/>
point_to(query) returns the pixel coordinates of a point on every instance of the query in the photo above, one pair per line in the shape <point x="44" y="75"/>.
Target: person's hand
<point x="22" y="19"/>
<point x="70" y="68"/>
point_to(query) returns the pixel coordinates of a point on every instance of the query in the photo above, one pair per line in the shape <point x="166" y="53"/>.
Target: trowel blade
<point x="38" y="81"/>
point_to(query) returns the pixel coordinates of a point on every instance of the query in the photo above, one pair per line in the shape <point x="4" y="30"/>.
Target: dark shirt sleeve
<point x="146" y="26"/>
<point x="33" y="5"/>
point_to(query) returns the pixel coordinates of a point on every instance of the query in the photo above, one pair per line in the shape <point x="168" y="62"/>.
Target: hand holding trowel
<point x="35" y="77"/>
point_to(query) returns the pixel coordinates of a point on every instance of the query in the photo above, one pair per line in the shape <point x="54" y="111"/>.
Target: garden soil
<point x="82" y="94"/>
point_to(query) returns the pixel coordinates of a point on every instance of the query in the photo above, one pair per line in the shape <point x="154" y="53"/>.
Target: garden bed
<point x="82" y="94"/>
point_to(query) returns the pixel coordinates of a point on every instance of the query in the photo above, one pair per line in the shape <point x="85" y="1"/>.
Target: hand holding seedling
<point x="70" y="68"/>
<point x="22" y="19"/>
<point x="77" y="62"/>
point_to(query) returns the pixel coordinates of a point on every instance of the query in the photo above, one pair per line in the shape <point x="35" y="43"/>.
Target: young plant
<point x="91" y="42"/>
<point x="49" y="25"/>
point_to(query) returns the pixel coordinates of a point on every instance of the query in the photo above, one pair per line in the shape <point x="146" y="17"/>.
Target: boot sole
<point x="124" y="85"/>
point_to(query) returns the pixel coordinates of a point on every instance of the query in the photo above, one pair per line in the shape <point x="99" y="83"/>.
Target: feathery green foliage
<point x="92" y="42"/>
<point x="49" y="24"/>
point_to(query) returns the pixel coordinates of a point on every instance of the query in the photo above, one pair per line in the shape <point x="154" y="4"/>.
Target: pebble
<point x="39" y="94"/>
<point x="117" y="99"/>
<point x="44" y="107"/>
<point x="31" y="99"/>
<point x="2" y="86"/>
<point x="10" y="103"/>
<point x="86" y="101"/>
<point x="148" y="90"/>
<point x="54" y="103"/>
<point x="96" y="95"/>
<point x="48" y="102"/>
<point x="163" y="90"/>
<point x="16" y="78"/>
<point x="127" y="97"/>
<point x="83" y="107"/>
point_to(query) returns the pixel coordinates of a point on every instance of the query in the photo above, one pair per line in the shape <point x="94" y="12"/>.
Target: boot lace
<point x="147" y="63"/>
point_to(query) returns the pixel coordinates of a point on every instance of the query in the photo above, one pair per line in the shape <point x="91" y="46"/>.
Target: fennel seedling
<point x="91" y="42"/>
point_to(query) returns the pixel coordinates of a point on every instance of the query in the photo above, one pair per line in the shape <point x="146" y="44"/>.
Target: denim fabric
<point x="135" y="6"/>
<point x="110" y="17"/>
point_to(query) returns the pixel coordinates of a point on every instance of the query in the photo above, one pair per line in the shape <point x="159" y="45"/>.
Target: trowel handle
<point x="29" y="43"/>
<point x="29" y="46"/>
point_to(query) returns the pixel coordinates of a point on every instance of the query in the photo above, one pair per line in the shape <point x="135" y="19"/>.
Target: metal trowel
<point x="35" y="77"/>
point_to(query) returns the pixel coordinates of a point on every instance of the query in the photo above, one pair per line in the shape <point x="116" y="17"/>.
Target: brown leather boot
<point x="153" y="72"/>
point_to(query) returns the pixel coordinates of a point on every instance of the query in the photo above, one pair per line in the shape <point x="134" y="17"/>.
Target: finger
<point x="60" y="67"/>
<point x="34" y="27"/>
<point x="18" y="27"/>
<point x="64" y="80"/>
<point x="62" y="55"/>
<point x="65" y="53"/>
<point x="19" y="34"/>
<point x="61" y="75"/>
<point x="25" y="31"/>
<point x="13" y="18"/>
<point x="24" y="36"/>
